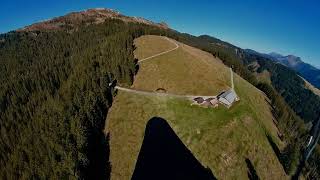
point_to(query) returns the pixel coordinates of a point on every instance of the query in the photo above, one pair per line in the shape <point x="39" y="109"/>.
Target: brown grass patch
<point x="183" y="71"/>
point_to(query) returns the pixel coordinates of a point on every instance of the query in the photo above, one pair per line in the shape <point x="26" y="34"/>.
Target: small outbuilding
<point x="214" y="102"/>
<point x="206" y="102"/>
<point x="227" y="98"/>
<point x="199" y="100"/>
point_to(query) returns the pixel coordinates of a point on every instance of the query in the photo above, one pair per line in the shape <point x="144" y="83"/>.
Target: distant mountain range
<point x="307" y="71"/>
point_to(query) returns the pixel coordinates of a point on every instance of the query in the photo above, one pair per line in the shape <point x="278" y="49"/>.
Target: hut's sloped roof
<point x="229" y="95"/>
<point x="198" y="99"/>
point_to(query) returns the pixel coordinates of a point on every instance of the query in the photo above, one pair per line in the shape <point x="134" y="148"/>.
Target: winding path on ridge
<point x="156" y="93"/>
<point x="160" y="94"/>
<point x="159" y="54"/>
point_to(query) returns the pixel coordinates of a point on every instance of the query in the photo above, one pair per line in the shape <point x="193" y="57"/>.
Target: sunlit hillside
<point x="221" y="139"/>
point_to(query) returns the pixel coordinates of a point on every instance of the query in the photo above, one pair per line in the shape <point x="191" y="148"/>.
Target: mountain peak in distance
<point x="86" y="17"/>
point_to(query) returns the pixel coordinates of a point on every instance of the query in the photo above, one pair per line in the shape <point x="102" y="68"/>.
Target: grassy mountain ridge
<point x="55" y="95"/>
<point x="219" y="138"/>
<point x="87" y="17"/>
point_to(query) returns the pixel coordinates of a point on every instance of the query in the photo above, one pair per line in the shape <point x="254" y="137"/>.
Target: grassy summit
<point x="221" y="139"/>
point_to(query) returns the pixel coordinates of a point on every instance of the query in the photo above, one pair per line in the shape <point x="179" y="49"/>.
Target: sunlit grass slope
<point x="220" y="139"/>
<point x="151" y="45"/>
<point x="183" y="71"/>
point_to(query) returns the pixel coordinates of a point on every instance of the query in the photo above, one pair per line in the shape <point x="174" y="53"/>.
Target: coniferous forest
<point x="54" y="98"/>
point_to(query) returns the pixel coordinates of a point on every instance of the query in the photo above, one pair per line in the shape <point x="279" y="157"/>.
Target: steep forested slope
<point x="309" y="72"/>
<point x="291" y="87"/>
<point x="54" y="98"/>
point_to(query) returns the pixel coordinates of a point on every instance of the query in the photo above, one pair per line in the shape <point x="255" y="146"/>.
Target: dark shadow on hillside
<point x="164" y="156"/>
<point x="99" y="164"/>
<point x="274" y="118"/>
<point x="299" y="170"/>
<point x="98" y="148"/>
<point x="281" y="156"/>
<point x="274" y="147"/>
<point x="252" y="173"/>
<point x="137" y="67"/>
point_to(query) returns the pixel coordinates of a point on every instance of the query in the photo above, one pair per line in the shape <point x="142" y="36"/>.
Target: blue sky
<point x="283" y="26"/>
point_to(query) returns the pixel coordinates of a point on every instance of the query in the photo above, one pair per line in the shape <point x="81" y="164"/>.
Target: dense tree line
<point x="292" y="128"/>
<point x="291" y="87"/>
<point x="312" y="170"/>
<point x="54" y="98"/>
<point x="303" y="101"/>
